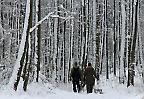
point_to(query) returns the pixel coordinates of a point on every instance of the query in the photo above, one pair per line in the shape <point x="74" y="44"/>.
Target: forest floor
<point x="111" y="90"/>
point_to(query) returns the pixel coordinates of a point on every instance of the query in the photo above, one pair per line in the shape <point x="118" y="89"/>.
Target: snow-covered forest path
<point x="59" y="94"/>
<point x="111" y="90"/>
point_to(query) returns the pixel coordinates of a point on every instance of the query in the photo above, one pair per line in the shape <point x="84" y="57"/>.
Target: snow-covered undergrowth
<point x="111" y="90"/>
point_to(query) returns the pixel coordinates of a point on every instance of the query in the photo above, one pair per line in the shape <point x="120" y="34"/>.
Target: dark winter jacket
<point x="76" y="74"/>
<point x="89" y="75"/>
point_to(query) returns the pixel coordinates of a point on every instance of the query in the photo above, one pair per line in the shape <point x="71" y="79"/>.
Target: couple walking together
<point x="87" y="78"/>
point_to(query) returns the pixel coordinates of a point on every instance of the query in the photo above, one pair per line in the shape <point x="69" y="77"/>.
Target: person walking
<point x="76" y="76"/>
<point x="89" y="78"/>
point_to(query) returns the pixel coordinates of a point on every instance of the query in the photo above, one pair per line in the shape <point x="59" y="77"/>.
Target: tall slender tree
<point x="131" y="72"/>
<point x="38" y="10"/>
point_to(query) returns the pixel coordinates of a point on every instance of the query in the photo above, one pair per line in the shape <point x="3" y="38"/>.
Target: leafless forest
<point x="41" y="39"/>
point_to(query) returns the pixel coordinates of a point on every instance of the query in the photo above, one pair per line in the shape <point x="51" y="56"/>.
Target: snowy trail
<point x="59" y="94"/>
<point x="111" y="90"/>
<point x="43" y="93"/>
<point x="110" y="95"/>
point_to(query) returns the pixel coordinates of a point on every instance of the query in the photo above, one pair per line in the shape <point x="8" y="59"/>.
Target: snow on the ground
<point x="111" y="90"/>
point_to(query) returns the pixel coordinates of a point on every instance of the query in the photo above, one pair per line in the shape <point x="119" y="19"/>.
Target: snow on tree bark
<point x="18" y="65"/>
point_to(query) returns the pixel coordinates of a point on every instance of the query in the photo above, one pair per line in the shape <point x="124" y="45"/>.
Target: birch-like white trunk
<point x="82" y="31"/>
<point x="102" y="39"/>
<point x="18" y="23"/>
<point x="71" y="46"/>
<point x="94" y="32"/>
<point x="105" y="39"/>
<point x="87" y="27"/>
<point x="55" y="42"/>
<point x="122" y="41"/>
<point x="21" y="48"/>
<point x="70" y="60"/>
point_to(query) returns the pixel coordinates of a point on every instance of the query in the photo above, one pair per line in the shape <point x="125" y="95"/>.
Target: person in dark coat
<point x="89" y="78"/>
<point x="76" y="76"/>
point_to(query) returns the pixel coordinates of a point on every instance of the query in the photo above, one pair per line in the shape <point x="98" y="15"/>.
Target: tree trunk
<point x="25" y="53"/>
<point x="38" y="40"/>
<point x="131" y="72"/>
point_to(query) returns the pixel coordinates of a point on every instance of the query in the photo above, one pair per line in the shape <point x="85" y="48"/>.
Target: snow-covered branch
<point x="46" y="17"/>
